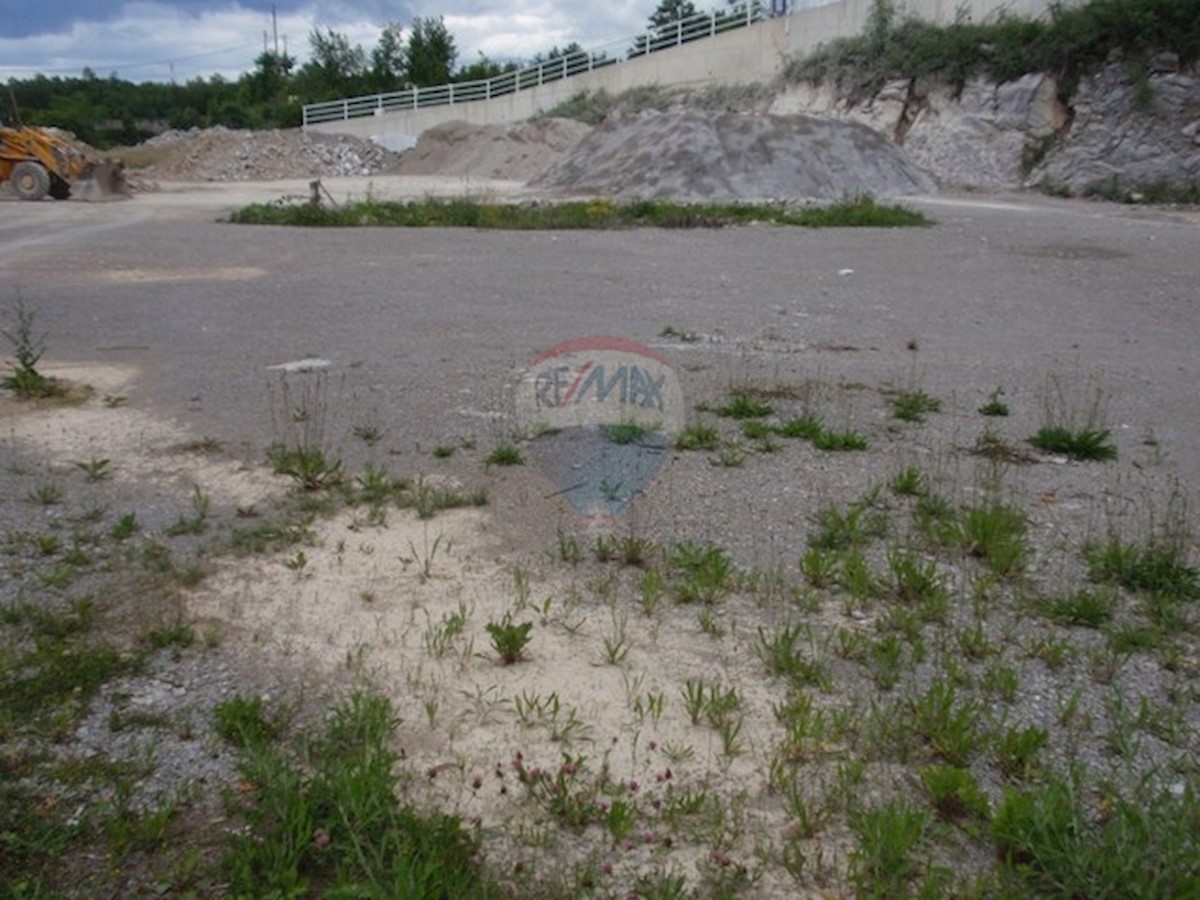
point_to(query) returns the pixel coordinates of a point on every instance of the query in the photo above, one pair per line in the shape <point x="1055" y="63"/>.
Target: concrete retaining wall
<point x="745" y="56"/>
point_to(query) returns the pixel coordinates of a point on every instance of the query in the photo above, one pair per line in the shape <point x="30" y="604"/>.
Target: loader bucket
<point x="102" y="181"/>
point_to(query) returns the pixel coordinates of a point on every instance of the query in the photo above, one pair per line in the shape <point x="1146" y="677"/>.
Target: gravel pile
<point x="703" y="155"/>
<point x="221" y="154"/>
<point x="519" y="153"/>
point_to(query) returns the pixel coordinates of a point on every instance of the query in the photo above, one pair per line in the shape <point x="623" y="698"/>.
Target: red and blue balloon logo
<point x="606" y="410"/>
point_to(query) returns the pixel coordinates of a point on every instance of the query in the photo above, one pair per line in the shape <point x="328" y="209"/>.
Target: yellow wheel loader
<point x="36" y="162"/>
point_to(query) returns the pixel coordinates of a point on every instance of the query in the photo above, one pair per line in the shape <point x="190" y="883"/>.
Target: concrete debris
<point x="222" y="154"/>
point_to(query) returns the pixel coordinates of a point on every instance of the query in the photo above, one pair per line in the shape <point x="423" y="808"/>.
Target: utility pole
<point x="275" y="30"/>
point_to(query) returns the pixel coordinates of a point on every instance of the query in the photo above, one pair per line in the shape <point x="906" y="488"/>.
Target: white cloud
<point x="158" y="41"/>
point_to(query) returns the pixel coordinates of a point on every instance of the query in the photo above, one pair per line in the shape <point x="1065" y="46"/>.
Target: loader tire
<point x="59" y="189"/>
<point x="30" y="180"/>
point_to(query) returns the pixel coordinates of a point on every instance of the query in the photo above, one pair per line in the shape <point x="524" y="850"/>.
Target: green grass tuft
<point x="743" y="406"/>
<point x="1052" y="843"/>
<point x="831" y="441"/>
<point x="505" y="455"/>
<point x="698" y="437"/>
<point x="1156" y="568"/>
<point x="911" y="406"/>
<point x="333" y="826"/>
<point x="624" y="432"/>
<point x="591" y="214"/>
<point x="1084" y="444"/>
<point x="807" y="427"/>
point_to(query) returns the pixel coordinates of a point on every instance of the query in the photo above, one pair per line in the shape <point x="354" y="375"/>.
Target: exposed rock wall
<point x="1118" y="137"/>
<point x="1020" y="132"/>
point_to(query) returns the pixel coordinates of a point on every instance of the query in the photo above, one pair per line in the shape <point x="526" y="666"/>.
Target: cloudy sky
<point x="155" y="40"/>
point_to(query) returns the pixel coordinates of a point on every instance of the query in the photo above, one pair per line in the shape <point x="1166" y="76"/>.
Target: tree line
<point x="112" y="111"/>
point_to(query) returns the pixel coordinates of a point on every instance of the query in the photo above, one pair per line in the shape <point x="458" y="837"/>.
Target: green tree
<point x="663" y="24"/>
<point x="388" y="60"/>
<point x="336" y="69"/>
<point x="671" y="11"/>
<point x="269" y="80"/>
<point x="431" y="52"/>
<point x="484" y="68"/>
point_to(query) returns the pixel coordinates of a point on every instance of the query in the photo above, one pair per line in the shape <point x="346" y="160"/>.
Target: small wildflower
<point x="321" y="838"/>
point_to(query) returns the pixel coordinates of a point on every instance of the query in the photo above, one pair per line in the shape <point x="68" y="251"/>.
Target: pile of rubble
<point x="222" y="154"/>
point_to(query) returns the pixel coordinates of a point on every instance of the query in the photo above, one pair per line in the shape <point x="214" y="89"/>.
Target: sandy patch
<point x="406" y="605"/>
<point x="142" y="450"/>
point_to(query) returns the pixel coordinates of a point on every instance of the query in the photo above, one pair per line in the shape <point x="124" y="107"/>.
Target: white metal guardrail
<point x="674" y="34"/>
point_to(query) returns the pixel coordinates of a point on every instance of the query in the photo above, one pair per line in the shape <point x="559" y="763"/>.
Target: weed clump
<point x="994" y="406"/>
<point x="859" y="212"/>
<point x="807" y="427"/>
<point x="1073" y="417"/>
<point x="244" y="722"/>
<point x="335" y="820"/>
<point x="28" y="347"/>
<point x="505" y="455"/>
<point x="743" y="406"/>
<point x="624" y="432"/>
<point x="1158" y="567"/>
<point x="309" y="467"/>
<point x="698" y="437"/>
<point x="911" y="406"/>
<point x="833" y="441"/>
<point x="1049" y="842"/>
<point x="1085" y="444"/>
<point x="509" y="638"/>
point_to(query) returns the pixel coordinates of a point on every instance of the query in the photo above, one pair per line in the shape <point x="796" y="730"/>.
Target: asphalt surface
<point x="427" y="330"/>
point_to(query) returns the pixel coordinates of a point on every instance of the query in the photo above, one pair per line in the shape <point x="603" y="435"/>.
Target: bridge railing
<point x="672" y="34"/>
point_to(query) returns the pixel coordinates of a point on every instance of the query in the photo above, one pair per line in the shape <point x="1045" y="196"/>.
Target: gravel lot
<point x="156" y="302"/>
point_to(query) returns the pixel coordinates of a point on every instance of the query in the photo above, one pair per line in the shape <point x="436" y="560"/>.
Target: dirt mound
<point x="519" y="153"/>
<point x="694" y="155"/>
<point x="221" y="154"/>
